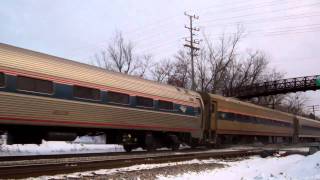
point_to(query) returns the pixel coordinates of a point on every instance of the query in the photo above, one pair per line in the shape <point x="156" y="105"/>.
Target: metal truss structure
<point x="282" y="86"/>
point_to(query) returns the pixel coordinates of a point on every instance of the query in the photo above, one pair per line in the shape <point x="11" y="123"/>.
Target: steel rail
<point x="38" y="167"/>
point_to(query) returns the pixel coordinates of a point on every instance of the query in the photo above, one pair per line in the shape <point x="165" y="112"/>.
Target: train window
<point x="116" y="97"/>
<point x="144" y="102"/>
<point x="190" y="110"/>
<point x="34" y="85"/>
<point x="165" y="105"/>
<point x="2" y="80"/>
<point x="198" y="111"/>
<point x="86" y="93"/>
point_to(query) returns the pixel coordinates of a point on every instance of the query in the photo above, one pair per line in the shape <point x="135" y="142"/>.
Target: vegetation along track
<point x="49" y="166"/>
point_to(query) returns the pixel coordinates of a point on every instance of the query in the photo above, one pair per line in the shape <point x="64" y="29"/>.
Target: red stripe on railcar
<point x="96" y="124"/>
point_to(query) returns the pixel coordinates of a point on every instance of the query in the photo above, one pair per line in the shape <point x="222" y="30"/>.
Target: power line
<point x="169" y="19"/>
<point x="243" y="6"/>
<point x="265" y="20"/>
<point x="255" y="14"/>
<point x="169" y="30"/>
<point x="155" y="25"/>
<point x="163" y="21"/>
<point x="277" y="30"/>
<point x="150" y="36"/>
<point x="158" y="23"/>
<point x="159" y="45"/>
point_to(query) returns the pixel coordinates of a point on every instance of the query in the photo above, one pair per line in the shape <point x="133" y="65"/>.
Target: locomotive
<point x="51" y="98"/>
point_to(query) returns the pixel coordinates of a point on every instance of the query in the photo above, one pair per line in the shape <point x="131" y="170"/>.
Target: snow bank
<point x="290" y="167"/>
<point x="91" y="139"/>
<point x="57" y="147"/>
<point x="84" y="144"/>
<point x="307" y="168"/>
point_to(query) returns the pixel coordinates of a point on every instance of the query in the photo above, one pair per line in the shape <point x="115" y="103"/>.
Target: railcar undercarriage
<point x="130" y="139"/>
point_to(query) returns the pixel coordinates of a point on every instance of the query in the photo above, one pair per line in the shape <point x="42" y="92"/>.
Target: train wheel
<point x="150" y="143"/>
<point x="175" y="147"/>
<point x="16" y="137"/>
<point x="175" y="143"/>
<point x="127" y="148"/>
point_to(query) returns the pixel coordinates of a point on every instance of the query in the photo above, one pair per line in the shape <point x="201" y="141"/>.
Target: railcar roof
<point x="28" y="60"/>
<point x="234" y="100"/>
<point x="310" y="120"/>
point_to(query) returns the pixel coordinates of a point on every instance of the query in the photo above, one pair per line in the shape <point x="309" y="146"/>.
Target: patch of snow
<point x="57" y="147"/>
<point x="301" y="149"/>
<point x="256" y="168"/>
<point x="101" y="139"/>
<point x="83" y="144"/>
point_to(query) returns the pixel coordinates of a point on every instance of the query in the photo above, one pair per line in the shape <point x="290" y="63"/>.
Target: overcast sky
<point x="288" y="31"/>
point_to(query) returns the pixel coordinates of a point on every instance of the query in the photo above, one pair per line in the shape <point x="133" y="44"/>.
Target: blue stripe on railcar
<point x="228" y="116"/>
<point x="311" y="128"/>
<point x="63" y="91"/>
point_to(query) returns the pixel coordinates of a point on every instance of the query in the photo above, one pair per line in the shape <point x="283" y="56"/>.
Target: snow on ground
<point x="57" y="147"/>
<point x="254" y="168"/>
<point x="84" y="144"/>
<point x="272" y="168"/>
<point x="91" y="139"/>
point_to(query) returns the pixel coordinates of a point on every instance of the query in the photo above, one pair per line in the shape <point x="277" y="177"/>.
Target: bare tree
<point x="219" y="68"/>
<point x="162" y="71"/>
<point x="210" y="66"/>
<point x="119" y="56"/>
<point x="273" y="101"/>
<point x="213" y="62"/>
<point x="141" y="65"/>
<point x="181" y="76"/>
<point x="295" y="103"/>
<point x="245" y="73"/>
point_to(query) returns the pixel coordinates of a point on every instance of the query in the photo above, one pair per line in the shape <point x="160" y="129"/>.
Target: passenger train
<point x="51" y="98"/>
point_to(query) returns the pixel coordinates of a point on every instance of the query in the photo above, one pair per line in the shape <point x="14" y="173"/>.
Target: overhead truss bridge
<point x="281" y="86"/>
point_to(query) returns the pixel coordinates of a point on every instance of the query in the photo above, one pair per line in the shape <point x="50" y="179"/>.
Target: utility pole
<point x="190" y="43"/>
<point x="314" y="109"/>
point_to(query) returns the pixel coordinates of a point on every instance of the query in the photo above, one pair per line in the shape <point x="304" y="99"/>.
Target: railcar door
<point x="296" y="127"/>
<point x="214" y="115"/>
<point x="214" y="124"/>
<point x="206" y="118"/>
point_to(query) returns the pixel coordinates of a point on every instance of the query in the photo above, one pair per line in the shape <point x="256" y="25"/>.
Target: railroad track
<point x="33" y="166"/>
<point x="51" y="166"/>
